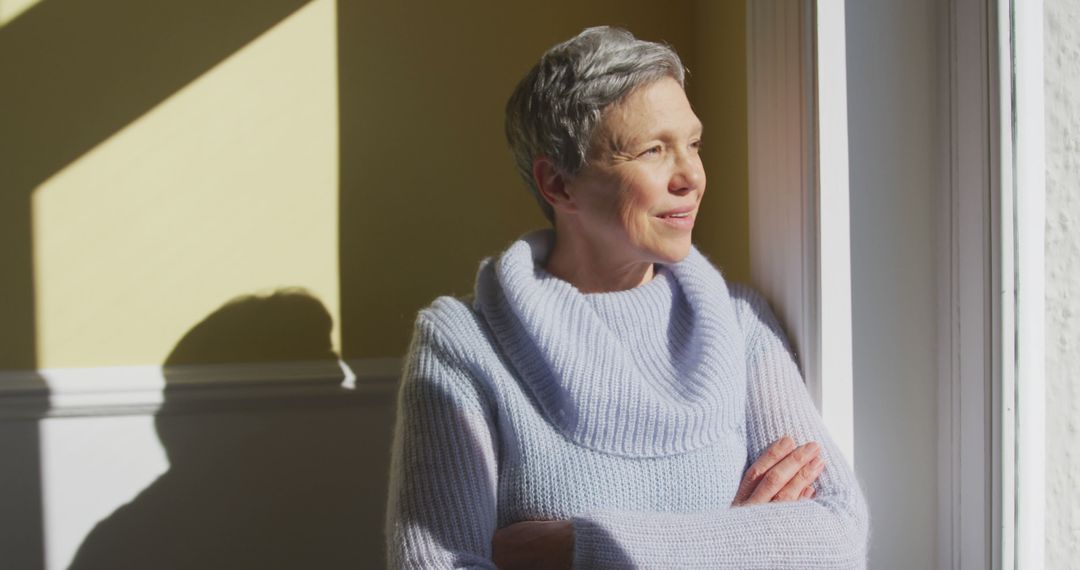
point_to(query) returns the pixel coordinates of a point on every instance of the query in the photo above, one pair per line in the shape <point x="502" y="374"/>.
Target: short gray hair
<point x="557" y="105"/>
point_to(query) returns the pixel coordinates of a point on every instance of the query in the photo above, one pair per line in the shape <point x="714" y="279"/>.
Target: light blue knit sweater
<point x="632" y="413"/>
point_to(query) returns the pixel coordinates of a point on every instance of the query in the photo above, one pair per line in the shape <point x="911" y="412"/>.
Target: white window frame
<point x="800" y="246"/>
<point x="991" y="445"/>
<point x="969" y="459"/>
<point x="990" y="458"/>
<point x="969" y="445"/>
<point x="1023" y="220"/>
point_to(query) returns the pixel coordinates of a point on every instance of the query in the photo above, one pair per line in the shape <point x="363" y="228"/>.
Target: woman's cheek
<point x="634" y="214"/>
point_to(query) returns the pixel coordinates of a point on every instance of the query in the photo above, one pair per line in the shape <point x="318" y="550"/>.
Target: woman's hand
<point x="538" y="545"/>
<point x="782" y="473"/>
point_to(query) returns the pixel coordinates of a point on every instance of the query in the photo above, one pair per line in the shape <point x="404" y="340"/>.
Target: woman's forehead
<point x="652" y="110"/>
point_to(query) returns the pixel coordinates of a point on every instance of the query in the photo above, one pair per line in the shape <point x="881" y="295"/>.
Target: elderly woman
<point x="606" y="399"/>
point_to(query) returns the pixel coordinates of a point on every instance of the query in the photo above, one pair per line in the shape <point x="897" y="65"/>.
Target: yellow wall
<point x="10" y="9"/>
<point x="719" y="91"/>
<point x="168" y="160"/>
<point x="428" y="186"/>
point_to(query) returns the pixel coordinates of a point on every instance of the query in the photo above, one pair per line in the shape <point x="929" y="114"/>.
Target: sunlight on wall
<point x="229" y="187"/>
<point x="84" y="481"/>
<point x="10" y="9"/>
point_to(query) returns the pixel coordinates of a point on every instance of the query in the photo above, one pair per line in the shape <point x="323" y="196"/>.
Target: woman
<point x="606" y="400"/>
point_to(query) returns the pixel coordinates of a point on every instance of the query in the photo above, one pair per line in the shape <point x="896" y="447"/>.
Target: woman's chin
<point x="673" y="253"/>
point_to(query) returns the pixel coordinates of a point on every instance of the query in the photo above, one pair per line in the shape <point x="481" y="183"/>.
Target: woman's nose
<point x="688" y="176"/>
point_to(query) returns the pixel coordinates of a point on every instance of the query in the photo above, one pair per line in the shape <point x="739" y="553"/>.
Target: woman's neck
<point x="591" y="269"/>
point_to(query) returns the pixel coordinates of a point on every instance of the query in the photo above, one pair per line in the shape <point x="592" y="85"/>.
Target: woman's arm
<point x="442" y="500"/>
<point x="829" y="531"/>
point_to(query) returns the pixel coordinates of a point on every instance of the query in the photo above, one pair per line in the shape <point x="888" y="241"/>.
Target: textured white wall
<point x="1062" y="68"/>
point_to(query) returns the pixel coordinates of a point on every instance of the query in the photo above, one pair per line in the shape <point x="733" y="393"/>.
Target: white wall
<point x="1062" y="68"/>
<point x="270" y="476"/>
<point x="894" y="116"/>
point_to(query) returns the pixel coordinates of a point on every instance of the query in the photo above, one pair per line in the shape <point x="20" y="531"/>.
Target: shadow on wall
<point x="22" y="543"/>
<point x="287" y="484"/>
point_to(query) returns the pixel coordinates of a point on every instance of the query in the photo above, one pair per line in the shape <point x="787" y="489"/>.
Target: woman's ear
<point x="552" y="184"/>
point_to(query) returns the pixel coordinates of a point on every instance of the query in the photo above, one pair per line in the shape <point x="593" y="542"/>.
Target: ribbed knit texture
<point x="633" y="413"/>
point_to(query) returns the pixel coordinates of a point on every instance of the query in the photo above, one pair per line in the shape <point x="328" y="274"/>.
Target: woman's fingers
<point x="783" y="472"/>
<point x="798" y="486"/>
<point x="773" y="455"/>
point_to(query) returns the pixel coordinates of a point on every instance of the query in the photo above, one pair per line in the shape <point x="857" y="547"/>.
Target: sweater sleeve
<point x="441" y="508"/>
<point x="828" y="531"/>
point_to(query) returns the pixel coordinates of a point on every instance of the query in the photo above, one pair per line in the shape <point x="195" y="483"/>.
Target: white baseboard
<point x="125" y="390"/>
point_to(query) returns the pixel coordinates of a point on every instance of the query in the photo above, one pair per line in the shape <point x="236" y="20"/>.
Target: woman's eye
<point x="696" y="145"/>
<point x="651" y="151"/>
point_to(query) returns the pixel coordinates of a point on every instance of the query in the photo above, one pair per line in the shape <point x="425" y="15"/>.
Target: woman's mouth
<point x="679" y="219"/>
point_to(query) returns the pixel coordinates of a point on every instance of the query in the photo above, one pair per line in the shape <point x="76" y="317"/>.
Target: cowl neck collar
<point x="654" y="370"/>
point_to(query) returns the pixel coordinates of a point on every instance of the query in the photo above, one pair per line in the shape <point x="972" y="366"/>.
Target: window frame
<point x="989" y="268"/>
<point x="800" y="247"/>
<point x="1023" y="223"/>
<point x="970" y="378"/>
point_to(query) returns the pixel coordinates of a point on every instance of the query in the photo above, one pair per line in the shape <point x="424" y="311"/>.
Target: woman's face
<point x="638" y="197"/>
